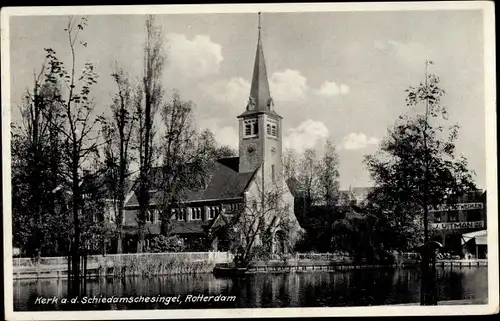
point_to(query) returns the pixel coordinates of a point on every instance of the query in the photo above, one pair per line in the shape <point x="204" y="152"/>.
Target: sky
<point x="333" y="75"/>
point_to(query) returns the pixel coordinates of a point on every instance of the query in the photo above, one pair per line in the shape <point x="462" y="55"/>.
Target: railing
<point x="323" y="256"/>
<point x="410" y="256"/>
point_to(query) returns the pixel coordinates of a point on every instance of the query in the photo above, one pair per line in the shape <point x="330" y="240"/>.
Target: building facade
<point x="448" y="222"/>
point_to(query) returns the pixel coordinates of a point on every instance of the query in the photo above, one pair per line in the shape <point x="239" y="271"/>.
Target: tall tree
<point x="416" y="166"/>
<point x="308" y="176"/>
<point x="79" y="131"/>
<point x="187" y="156"/>
<point x="146" y="108"/>
<point x="118" y="135"/>
<point x="36" y="154"/>
<point x="318" y="177"/>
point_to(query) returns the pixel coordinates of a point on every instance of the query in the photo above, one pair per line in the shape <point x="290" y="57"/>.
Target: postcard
<point x="252" y="160"/>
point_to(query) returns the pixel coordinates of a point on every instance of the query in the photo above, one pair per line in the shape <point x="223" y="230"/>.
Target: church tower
<point x="260" y="131"/>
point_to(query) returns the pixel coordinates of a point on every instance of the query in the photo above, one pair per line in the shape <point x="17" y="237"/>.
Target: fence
<point x="339" y="256"/>
<point x="323" y="256"/>
<point x="217" y="257"/>
<point x="410" y="256"/>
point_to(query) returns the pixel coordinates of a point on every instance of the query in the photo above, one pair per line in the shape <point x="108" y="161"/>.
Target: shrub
<point x="162" y="243"/>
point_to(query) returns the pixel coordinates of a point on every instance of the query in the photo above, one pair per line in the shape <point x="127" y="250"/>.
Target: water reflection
<point x="311" y="289"/>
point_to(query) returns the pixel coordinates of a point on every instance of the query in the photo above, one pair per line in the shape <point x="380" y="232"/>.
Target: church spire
<point x="260" y="96"/>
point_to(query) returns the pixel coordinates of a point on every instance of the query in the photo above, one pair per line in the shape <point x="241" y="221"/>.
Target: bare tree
<point x="80" y="138"/>
<point x="118" y="149"/>
<point x="265" y="225"/>
<point x="147" y="105"/>
<point x="290" y="164"/>
<point x="187" y="156"/>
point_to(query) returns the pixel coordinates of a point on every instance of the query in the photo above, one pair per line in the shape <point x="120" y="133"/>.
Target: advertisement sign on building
<point x="456" y="207"/>
<point x="457" y="225"/>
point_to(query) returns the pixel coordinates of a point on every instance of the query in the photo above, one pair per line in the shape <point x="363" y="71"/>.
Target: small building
<point x="448" y="222"/>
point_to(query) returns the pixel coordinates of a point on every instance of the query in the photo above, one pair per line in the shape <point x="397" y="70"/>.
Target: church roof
<point x="259" y="90"/>
<point x="260" y="95"/>
<point x="224" y="183"/>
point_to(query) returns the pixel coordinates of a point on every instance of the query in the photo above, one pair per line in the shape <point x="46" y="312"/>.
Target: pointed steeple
<point x="260" y="95"/>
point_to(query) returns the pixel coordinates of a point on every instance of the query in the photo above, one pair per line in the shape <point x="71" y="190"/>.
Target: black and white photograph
<point x="249" y="160"/>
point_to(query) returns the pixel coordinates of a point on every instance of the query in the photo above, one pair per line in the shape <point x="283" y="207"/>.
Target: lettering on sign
<point x="456" y="207"/>
<point x="457" y="225"/>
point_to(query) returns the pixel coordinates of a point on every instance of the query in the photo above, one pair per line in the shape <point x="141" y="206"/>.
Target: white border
<point x="491" y="159"/>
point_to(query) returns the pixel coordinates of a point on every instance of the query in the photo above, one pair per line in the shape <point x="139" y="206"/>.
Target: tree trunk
<point x="428" y="287"/>
<point x="76" y="253"/>
<point x="119" y="221"/>
<point x="76" y="222"/>
<point x="140" y="239"/>
<point x="119" y="241"/>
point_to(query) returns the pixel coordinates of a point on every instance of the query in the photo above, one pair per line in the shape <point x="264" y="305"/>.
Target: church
<point x="248" y="184"/>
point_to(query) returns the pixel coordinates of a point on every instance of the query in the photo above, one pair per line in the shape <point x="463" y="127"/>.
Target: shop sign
<point x="457" y="225"/>
<point x="456" y="207"/>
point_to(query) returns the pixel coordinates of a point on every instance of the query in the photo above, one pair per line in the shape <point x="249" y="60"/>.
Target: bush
<point x="259" y="253"/>
<point x="162" y="243"/>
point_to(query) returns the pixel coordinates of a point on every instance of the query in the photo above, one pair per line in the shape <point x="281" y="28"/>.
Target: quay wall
<point x="148" y="264"/>
<point x="123" y="264"/>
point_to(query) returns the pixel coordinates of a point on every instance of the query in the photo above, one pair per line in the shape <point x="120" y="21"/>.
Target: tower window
<point x="251" y="128"/>
<point x="273" y="172"/>
<point x="272" y="128"/>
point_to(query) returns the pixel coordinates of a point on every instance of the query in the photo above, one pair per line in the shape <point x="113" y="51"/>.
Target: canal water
<point x="264" y="290"/>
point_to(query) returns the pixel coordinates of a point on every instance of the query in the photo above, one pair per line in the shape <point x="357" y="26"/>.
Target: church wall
<point x="286" y="198"/>
<point x="272" y="150"/>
